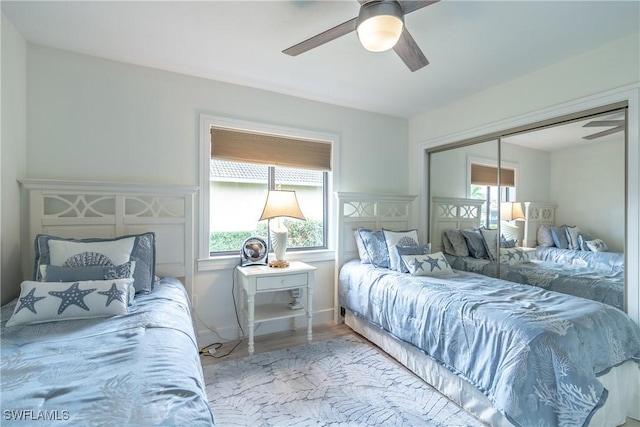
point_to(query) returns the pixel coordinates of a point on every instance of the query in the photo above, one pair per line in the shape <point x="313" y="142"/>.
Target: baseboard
<point x="232" y="333"/>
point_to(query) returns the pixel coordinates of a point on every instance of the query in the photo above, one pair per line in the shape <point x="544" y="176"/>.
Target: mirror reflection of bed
<point x="564" y="185"/>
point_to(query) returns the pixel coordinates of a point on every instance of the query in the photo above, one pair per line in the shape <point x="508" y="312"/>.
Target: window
<point x="243" y="165"/>
<point x="484" y="185"/>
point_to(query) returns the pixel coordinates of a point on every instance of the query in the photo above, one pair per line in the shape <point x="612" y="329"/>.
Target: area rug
<point x="341" y="381"/>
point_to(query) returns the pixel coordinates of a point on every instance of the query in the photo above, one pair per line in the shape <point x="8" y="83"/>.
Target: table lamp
<point x="280" y="203"/>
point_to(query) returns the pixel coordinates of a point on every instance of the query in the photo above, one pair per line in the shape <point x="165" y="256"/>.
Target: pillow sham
<point x="597" y="245"/>
<point x="559" y="235"/>
<point x="411" y="250"/>
<point x="475" y="243"/>
<point x="53" y="301"/>
<point x="458" y="242"/>
<point x="490" y="238"/>
<point x="545" y="239"/>
<point x="362" y="250"/>
<point x="513" y="256"/>
<point x="141" y="248"/>
<point x="376" y="247"/>
<point x="572" y="237"/>
<point x="434" y="264"/>
<point x="582" y="240"/>
<point x="401" y="238"/>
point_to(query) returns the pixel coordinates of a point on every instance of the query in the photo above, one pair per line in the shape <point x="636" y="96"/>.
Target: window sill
<point x="226" y="262"/>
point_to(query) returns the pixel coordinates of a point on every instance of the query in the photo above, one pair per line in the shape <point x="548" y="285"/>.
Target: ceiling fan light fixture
<point x="379" y="25"/>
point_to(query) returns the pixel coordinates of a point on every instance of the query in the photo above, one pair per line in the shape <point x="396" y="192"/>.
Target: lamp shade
<point x="281" y="203"/>
<point x="510" y="211"/>
<point x="379" y="25"/>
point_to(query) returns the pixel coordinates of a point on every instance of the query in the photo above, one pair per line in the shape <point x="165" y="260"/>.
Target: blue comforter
<point x="571" y="279"/>
<point x="134" y="370"/>
<point x="605" y="262"/>
<point x="535" y="354"/>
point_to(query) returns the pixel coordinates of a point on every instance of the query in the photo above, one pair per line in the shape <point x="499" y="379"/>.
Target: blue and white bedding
<point x="606" y="262"/>
<point x="138" y="369"/>
<point x="571" y="279"/>
<point x="534" y="353"/>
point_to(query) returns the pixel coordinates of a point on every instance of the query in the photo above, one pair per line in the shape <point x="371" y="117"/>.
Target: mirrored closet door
<point x="559" y="185"/>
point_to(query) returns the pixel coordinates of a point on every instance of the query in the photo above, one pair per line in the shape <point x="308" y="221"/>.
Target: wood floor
<point x="277" y="341"/>
<point x="282" y="340"/>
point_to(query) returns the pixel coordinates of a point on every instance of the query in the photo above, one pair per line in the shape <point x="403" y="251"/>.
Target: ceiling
<point x="471" y="45"/>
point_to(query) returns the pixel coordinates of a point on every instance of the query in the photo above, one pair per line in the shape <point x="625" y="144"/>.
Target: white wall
<point x="584" y="80"/>
<point x="587" y="183"/>
<point x="94" y="119"/>
<point x="13" y="154"/>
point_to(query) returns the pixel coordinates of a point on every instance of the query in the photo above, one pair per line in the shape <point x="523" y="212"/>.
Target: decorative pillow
<point x="362" y="251"/>
<point x="398" y="238"/>
<point x="412" y="250"/>
<point x="458" y="242"/>
<point x="582" y="241"/>
<point x="475" y="243"/>
<point x="376" y="247"/>
<point x="52" y="301"/>
<point x="61" y="252"/>
<point x="513" y="256"/>
<point x="559" y="235"/>
<point x="596" y="245"/>
<point x="504" y="243"/>
<point x="490" y="237"/>
<point x="427" y="265"/>
<point x="545" y="239"/>
<point x="572" y="237"/>
<point x="54" y="273"/>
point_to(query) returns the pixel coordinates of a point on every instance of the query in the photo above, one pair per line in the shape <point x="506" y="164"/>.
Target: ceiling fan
<point x="380" y="27"/>
<point x="616" y="126"/>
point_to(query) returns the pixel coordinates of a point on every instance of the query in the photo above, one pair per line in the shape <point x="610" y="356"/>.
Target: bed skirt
<point x="623" y="382"/>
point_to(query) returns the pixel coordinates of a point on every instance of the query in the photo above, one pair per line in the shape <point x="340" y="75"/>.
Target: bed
<point x="581" y="250"/>
<point x="506" y="352"/>
<point x="597" y="276"/>
<point x="136" y="366"/>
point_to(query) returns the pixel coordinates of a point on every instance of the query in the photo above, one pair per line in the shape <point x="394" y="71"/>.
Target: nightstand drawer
<point x="280" y="282"/>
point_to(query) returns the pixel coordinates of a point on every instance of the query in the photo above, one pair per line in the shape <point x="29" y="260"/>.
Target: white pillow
<point x="434" y="264"/>
<point x="53" y="301"/>
<point x="596" y="245"/>
<point x="398" y="238"/>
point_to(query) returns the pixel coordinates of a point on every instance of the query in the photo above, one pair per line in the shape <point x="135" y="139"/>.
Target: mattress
<point x="138" y="369"/>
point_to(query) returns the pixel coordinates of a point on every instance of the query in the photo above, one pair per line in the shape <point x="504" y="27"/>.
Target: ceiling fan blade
<point x="596" y="123"/>
<point x="409" y="51"/>
<point x="604" y="133"/>
<point x="409" y="6"/>
<point x="322" y="38"/>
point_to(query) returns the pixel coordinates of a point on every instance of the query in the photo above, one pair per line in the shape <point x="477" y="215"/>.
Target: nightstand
<point x="260" y="278"/>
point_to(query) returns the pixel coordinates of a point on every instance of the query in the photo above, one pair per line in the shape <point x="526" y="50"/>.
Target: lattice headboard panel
<point x="454" y="213"/>
<point x="104" y="210"/>
<point x="537" y="214"/>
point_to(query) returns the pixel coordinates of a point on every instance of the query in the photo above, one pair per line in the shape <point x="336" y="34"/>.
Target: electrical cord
<point x="205" y="350"/>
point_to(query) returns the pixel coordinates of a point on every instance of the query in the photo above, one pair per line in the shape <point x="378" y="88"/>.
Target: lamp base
<point x="278" y="264"/>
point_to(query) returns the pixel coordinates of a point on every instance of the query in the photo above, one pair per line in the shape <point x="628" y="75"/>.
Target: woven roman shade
<point x="238" y="146"/>
<point x="488" y="175"/>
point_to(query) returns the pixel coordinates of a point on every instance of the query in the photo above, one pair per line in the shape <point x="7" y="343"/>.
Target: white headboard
<point x="374" y="211"/>
<point x="455" y="213"/>
<point x="75" y="209"/>
<point x="535" y="215"/>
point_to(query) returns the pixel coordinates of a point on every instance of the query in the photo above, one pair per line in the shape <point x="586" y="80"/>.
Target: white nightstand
<point x="258" y="278"/>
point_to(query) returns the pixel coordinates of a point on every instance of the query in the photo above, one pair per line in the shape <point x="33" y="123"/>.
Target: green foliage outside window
<point x="306" y="234"/>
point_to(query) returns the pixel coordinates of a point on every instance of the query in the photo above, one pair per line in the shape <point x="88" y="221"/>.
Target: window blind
<point x="239" y="146"/>
<point x="488" y="175"/>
